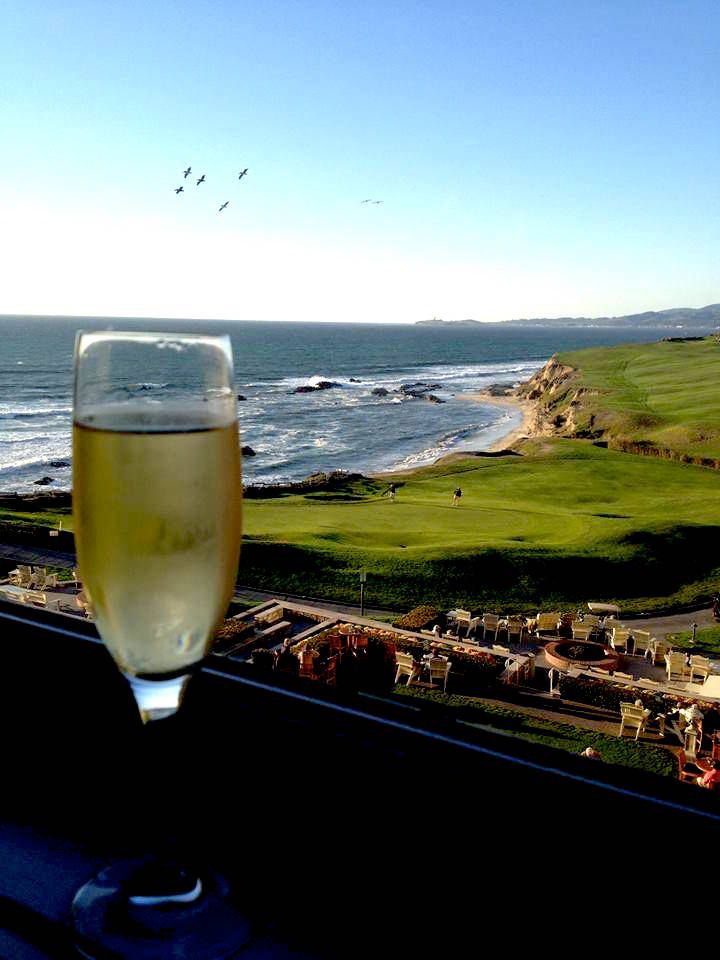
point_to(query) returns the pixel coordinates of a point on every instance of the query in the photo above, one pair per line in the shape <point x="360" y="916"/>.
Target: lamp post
<point x="363" y="581"/>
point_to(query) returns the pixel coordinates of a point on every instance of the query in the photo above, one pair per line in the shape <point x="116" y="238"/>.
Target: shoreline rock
<point x="320" y="385"/>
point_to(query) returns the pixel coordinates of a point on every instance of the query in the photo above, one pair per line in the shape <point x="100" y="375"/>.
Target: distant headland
<point x="703" y="318"/>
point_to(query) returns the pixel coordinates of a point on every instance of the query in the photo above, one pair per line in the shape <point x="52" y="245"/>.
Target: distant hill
<point x="704" y="318"/>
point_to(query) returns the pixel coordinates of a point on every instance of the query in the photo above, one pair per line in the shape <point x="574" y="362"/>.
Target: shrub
<point x="418" y="618"/>
<point x="263" y="659"/>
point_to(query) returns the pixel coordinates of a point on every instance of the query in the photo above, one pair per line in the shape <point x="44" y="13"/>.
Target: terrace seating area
<point x="644" y="697"/>
<point x="33" y="585"/>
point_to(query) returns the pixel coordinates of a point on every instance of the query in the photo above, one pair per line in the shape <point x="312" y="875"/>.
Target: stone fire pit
<point x="581" y="654"/>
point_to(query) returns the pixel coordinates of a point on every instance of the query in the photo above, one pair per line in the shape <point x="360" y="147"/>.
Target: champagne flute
<point x="156" y="504"/>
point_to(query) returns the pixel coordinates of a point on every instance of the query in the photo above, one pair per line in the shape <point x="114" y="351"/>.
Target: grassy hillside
<point x="562" y="522"/>
<point x="663" y="394"/>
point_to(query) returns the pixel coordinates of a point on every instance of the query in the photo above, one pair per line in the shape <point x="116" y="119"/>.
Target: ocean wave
<point x="139" y="387"/>
<point x="25" y="411"/>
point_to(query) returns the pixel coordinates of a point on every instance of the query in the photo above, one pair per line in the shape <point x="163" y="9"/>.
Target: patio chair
<point x="547" y="623"/>
<point x="701" y="666"/>
<point x="581" y="632"/>
<point x="619" y="640"/>
<point x="658" y="650"/>
<point x="35" y="596"/>
<point x="491" y="623"/>
<point x="642" y="642"/>
<point x="307" y="664"/>
<point x="439" y="669"/>
<point x="329" y="671"/>
<point x="610" y="624"/>
<point x="632" y="716"/>
<point x="21" y="576"/>
<point x="688" y="771"/>
<point x="515" y="628"/>
<point x="51" y="581"/>
<point x="37" y="579"/>
<point x="590" y="620"/>
<point x="473" y="626"/>
<point x="406" y="667"/>
<point x="676" y="665"/>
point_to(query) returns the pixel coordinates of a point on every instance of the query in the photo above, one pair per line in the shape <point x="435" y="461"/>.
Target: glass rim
<point x="84" y="339"/>
<point x="148" y="335"/>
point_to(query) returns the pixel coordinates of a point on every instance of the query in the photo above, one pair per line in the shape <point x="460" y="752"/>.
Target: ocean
<point x="294" y="435"/>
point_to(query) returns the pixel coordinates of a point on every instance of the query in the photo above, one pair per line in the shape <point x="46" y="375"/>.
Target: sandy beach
<point x="525" y="408"/>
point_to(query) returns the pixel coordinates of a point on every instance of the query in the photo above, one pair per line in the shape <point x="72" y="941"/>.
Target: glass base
<point x="109" y="926"/>
<point x="157" y="699"/>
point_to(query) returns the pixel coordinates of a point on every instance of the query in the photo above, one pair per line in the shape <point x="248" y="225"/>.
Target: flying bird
<point x="366" y="201"/>
<point x="378" y="201"/>
<point x="187" y="172"/>
<point x="223" y="206"/>
<point x="242" y="173"/>
<point x="179" y="189"/>
<point x="201" y="180"/>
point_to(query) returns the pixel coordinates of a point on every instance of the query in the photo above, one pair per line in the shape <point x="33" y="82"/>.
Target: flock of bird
<point x="186" y="174"/>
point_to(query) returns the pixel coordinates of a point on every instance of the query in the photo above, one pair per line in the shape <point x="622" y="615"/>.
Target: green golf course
<point x="663" y="395"/>
<point x="562" y="522"/>
<point x="554" y="523"/>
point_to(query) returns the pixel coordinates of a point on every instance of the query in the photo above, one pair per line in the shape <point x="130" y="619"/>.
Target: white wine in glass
<point x="157" y="515"/>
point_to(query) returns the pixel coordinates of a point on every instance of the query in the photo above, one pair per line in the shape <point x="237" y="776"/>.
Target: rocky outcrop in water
<point x="44" y="481"/>
<point x="320" y="385"/>
<point x="248" y="452"/>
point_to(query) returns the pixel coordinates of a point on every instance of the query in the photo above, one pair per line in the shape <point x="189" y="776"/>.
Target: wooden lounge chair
<point x="491" y="624"/>
<point x="21" y="576"/>
<point x="38" y="577"/>
<point x="619" y="640"/>
<point x="610" y="624"/>
<point x="700" y="666"/>
<point x="35" y="596"/>
<point x="515" y="628"/>
<point x="688" y="771"/>
<point x="658" y="650"/>
<point x="632" y="716"/>
<point x="676" y="665"/>
<point x="547" y="623"/>
<point x="51" y="581"/>
<point x="642" y="642"/>
<point x="581" y="632"/>
<point x="406" y="667"/>
<point x="439" y="669"/>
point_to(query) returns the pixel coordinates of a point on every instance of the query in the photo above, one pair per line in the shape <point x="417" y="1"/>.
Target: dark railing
<point x="337" y="819"/>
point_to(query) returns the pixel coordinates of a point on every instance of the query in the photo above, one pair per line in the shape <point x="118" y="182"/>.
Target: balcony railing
<point x="333" y="816"/>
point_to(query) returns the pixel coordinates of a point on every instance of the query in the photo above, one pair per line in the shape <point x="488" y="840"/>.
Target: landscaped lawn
<point x="561" y="736"/>
<point x="707" y="641"/>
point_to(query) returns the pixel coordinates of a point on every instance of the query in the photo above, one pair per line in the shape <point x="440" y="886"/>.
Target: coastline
<point x="516" y="432"/>
<point x="526" y="409"/>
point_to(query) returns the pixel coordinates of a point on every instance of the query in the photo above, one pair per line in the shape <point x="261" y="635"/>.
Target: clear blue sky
<point x="535" y="158"/>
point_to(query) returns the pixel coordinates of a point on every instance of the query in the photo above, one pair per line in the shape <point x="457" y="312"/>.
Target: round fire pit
<point x="580" y="653"/>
